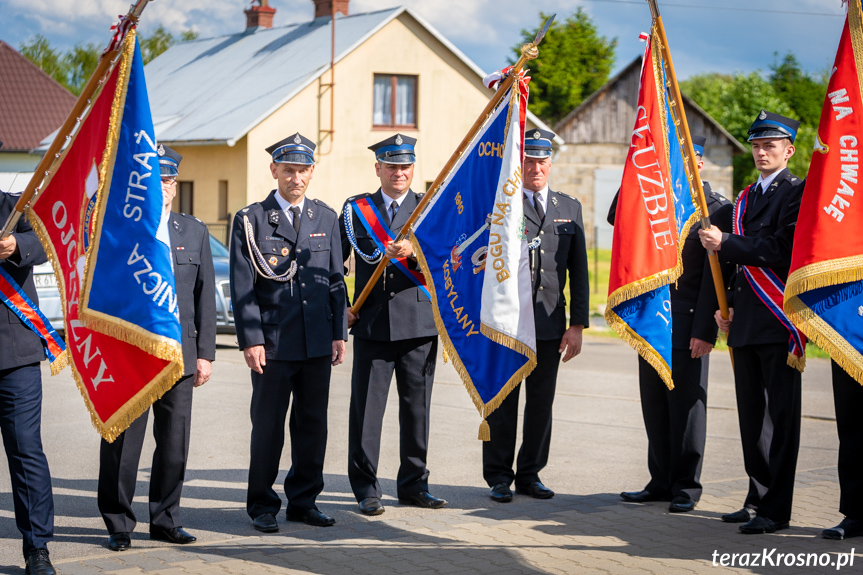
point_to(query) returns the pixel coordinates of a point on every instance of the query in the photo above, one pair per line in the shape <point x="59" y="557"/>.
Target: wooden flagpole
<point x="529" y="52"/>
<point x="689" y="152"/>
<point x="69" y="126"/>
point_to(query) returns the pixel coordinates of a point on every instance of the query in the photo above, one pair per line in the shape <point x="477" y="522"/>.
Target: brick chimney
<point x="325" y="7"/>
<point x="260" y="15"/>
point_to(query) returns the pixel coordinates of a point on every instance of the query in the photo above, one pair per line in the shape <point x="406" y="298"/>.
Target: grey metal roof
<point x="217" y="89"/>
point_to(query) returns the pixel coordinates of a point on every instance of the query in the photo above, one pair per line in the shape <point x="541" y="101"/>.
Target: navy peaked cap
<point x="537" y="143"/>
<point x="698" y="144"/>
<point x="169" y="162"/>
<point x="296" y="149"/>
<point x="398" y="149"/>
<point x="770" y="125"/>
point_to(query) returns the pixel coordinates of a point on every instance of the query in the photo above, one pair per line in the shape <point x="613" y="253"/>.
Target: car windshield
<point x="219" y="249"/>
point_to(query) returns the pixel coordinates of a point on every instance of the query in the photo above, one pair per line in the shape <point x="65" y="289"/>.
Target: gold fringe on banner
<point x="60" y="362"/>
<point x="825" y="337"/>
<point x="644" y="349"/>
<point x="824" y="274"/>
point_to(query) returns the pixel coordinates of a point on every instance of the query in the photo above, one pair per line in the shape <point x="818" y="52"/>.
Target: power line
<point x="725" y="8"/>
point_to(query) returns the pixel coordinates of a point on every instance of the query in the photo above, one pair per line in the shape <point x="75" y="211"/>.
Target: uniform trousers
<point x="848" y="397"/>
<point x="676" y="424"/>
<point x="308" y="383"/>
<point x="768" y="409"/>
<point x="21" y="426"/>
<point x="413" y="362"/>
<point x="499" y="453"/>
<point x="118" y="463"/>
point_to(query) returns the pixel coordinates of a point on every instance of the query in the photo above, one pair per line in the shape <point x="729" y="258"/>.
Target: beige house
<point x="221" y="101"/>
<point x="597" y="135"/>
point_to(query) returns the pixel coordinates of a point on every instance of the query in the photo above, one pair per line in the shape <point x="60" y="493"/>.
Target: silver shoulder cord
<point x="260" y="263"/>
<point x="532" y="245"/>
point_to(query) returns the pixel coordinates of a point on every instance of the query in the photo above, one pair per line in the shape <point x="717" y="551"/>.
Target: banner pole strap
<point x="65" y="131"/>
<point x="529" y="52"/>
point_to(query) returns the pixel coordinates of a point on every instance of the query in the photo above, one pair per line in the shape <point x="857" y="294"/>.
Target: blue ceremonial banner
<point x="129" y="290"/>
<point x="471" y="247"/>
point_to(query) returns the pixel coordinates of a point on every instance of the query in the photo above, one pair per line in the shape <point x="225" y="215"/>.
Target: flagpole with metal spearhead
<point x="689" y="152"/>
<point x="69" y="126"/>
<point x="529" y="52"/>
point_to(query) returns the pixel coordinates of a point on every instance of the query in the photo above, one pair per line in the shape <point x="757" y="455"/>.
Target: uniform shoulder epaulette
<point x="420" y="195"/>
<point x="357" y="197"/>
<point x="191" y="217"/>
<point x="251" y="208"/>
<point x="568" y="197"/>
<point x="323" y="205"/>
<point x="719" y="198"/>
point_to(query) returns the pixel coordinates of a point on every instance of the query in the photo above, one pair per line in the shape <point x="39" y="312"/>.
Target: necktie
<point x="394" y="207"/>
<point x="296" y="211"/>
<point x="756" y="199"/>
<point x="537" y="203"/>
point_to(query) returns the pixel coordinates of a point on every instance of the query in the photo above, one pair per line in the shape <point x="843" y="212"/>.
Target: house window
<point x="184" y="201"/>
<point x="223" y="200"/>
<point x="395" y="101"/>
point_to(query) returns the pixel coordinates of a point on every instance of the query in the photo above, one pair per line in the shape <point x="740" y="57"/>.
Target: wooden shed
<point x="597" y="134"/>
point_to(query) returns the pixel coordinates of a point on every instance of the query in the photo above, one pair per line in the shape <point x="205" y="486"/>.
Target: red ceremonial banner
<point x="647" y="243"/>
<point x="111" y="375"/>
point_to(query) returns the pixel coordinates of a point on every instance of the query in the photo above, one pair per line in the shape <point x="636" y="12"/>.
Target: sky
<point x="723" y="36"/>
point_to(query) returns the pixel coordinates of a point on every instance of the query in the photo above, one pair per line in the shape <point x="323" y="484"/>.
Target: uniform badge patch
<point x="562" y="221"/>
<point x="554" y="201"/>
<point x="321" y="235"/>
<point x="537" y="135"/>
<point x="273" y="260"/>
<point x="762" y="115"/>
<point x="180" y="248"/>
<point x="274" y="217"/>
<point x="297" y="139"/>
<point x="284" y="251"/>
<point x="161" y="150"/>
<point x="399" y="140"/>
<point x="310" y="213"/>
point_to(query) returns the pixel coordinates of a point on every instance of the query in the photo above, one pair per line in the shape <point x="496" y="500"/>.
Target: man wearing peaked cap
<point x="287" y="285"/>
<point x="555" y="231"/>
<point x="394" y="332"/>
<point x="676" y="420"/>
<point x="768" y="387"/>
<point x="172" y="413"/>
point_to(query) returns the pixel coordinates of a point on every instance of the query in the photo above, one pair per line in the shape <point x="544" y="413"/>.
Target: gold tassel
<point x="445" y="355"/>
<point x="484" y="431"/>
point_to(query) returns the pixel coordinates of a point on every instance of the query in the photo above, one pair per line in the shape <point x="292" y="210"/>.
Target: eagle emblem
<point x="298" y="139"/>
<point x="161" y="149"/>
<point x="762" y="115"/>
<point x="399" y="140"/>
<point x="537" y="135"/>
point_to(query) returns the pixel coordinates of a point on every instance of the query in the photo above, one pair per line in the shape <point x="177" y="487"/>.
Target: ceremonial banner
<point x="655" y="208"/>
<point x="118" y="380"/>
<point x="824" y="292"/>
<point x="471" y="247"/>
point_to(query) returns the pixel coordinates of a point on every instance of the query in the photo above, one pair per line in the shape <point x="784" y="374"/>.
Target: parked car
<point x="51" y="306"/>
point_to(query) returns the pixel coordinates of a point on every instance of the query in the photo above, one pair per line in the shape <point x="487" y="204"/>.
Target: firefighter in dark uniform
<point x="21" y="400"/>
<point x="288" y="293"/>
<point x="768" y="388"/>
<point x="676" y="420"/>
<point x="553" y="224"/>
<point x="172" y="413"/>
<point x="394" y="332"/>
<point x="848" y="399"/>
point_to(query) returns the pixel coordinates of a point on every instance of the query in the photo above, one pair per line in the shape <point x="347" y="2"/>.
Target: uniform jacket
<point x="693" y="298"/>
<point x="297" y="322"/>
<point x="196" y="288"/>
<point x="562" y="250"/>
<point x="769" y="235"/>
<point x="20" y="345"/>
<point x="397" y="308"/>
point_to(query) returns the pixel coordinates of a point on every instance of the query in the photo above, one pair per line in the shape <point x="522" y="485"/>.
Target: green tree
<point x="80" y="62"/>
<point x="38" y="50"/>
<point x="574" y="61"/>
<point x="734" y="101"/>
<point x="801" y="91"/>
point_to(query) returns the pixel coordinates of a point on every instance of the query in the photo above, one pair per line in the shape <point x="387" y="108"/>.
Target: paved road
<point x="598" y="450"/>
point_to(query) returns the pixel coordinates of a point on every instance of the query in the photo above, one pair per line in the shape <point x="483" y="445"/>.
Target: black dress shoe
<point x="848" y="528"/>
<point x="762" y="525"/>
<point x="311" y="517"/>
<point x="501" y="493"/>
<point x="643" y="496"/>
<point x="119" y="541"/>
<point x="422" y="499"/>
<point x="173" y="535"/>
<point x="745" y="515"/>
<point x="266" y="523"/>
<point x="371" y="506"/>
<point x="681" y="504"/>
<point x="536" y="490"/>
<point x="38" y="563"/>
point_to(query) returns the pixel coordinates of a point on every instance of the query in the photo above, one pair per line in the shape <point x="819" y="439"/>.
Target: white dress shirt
<point x="286" y="207"/>
<point x="543" y="198"/>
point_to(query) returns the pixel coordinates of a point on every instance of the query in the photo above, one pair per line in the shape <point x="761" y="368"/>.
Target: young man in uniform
<point x="288" y="292"/>
<point x="394" y="332"/>
<point x="676" y="420"/>
<point x="172" y="413"/>
<point x="554" y="222"/>
<point x="767" y="386"/>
